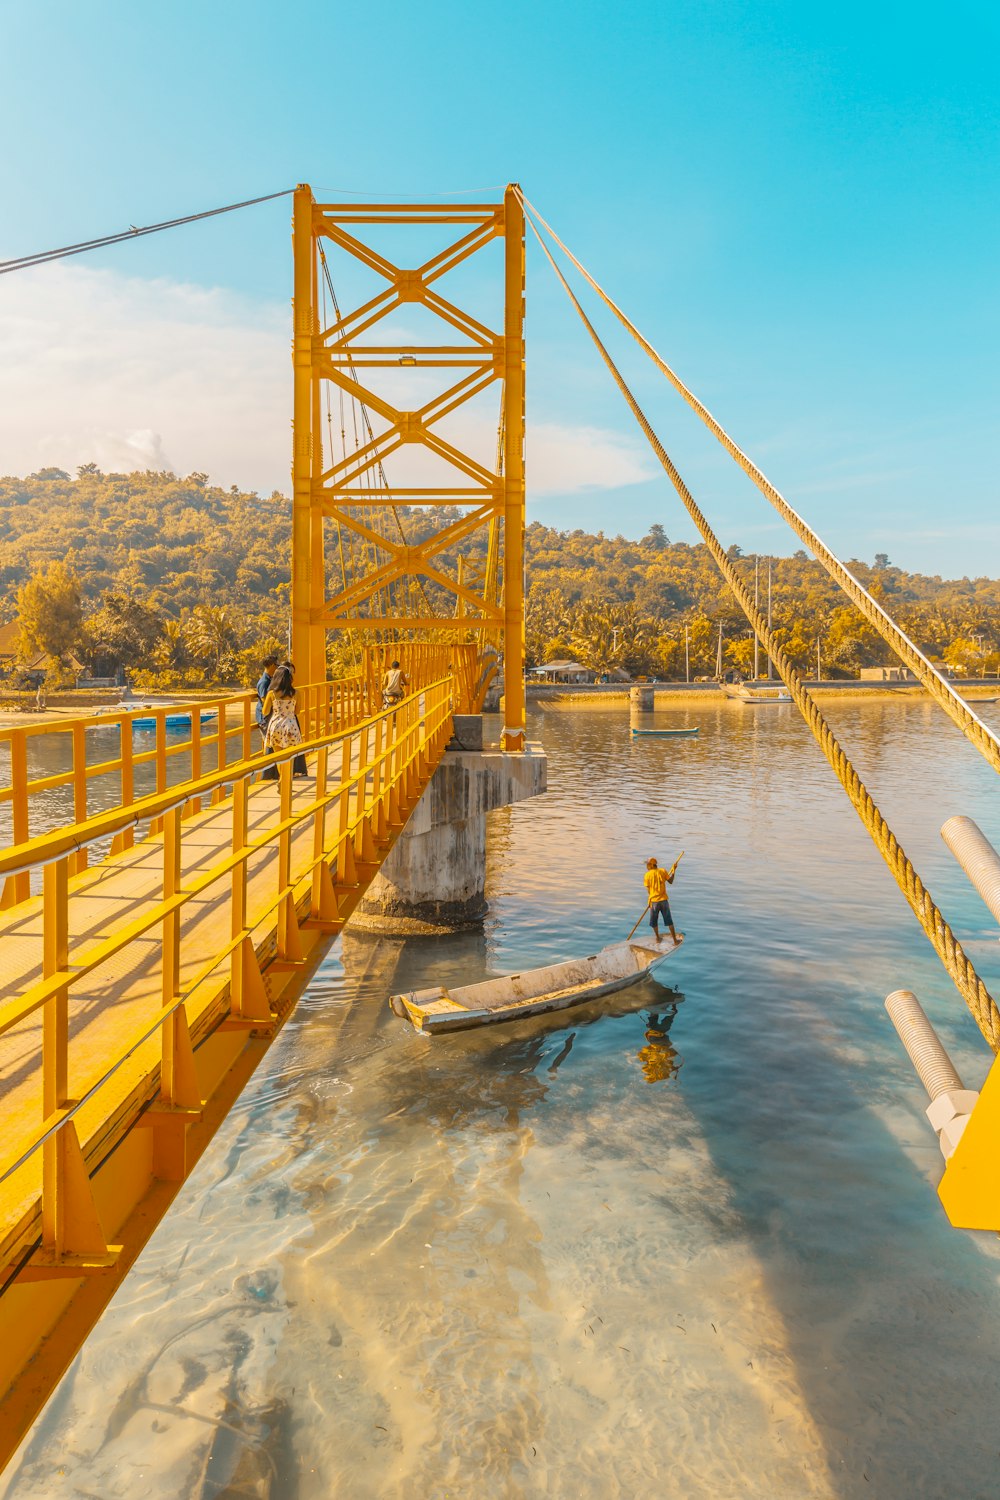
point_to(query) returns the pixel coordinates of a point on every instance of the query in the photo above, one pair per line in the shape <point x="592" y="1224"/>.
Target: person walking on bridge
<point x="394" y="685"/>
<point x="282" y="722"/>
<point x="656" y="881"/>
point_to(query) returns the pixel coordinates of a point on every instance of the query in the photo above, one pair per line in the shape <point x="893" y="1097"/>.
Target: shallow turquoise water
<point x="683" y="1243"/>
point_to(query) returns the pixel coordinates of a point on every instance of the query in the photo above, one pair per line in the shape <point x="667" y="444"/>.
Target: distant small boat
<point x="677" y="734"/>
<point x="180" y="718"/>
<point x="536" y="991"/>
<point x="757" y="692"/>
<point x="173" y="721"/>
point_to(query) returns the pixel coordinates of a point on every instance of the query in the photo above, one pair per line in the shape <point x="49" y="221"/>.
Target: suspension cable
<point x="41" y="257"/>
<point x="980" y="735"/>
<point x="950" y="951"/>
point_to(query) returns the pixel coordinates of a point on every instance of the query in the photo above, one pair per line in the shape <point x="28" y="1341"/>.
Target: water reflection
<point x="660" y="1059"/>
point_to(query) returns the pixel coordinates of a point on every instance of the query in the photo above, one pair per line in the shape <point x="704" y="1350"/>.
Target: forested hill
<point x="178" y="542"/>
<point x="162" y="565"/>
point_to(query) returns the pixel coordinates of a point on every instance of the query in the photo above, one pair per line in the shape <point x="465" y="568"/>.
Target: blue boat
<point x="173" y="721"/>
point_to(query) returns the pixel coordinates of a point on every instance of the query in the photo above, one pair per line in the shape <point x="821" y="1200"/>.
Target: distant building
<point x="43" y="663"/>
<point x="563" y="671"/>
<point x="886" y="674"/>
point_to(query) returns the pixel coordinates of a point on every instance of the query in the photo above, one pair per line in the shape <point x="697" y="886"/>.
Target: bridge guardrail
<point x="384" y="762"/>
<point x="321" y="705"/>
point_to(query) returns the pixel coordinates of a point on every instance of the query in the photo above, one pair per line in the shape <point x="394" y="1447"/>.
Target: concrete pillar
<point x="640" y="699"/>
<point x="434" y="879"/>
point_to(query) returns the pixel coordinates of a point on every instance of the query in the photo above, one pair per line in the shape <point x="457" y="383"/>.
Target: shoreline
<point x="973" y="690"/>
<point x="79" y="704"/>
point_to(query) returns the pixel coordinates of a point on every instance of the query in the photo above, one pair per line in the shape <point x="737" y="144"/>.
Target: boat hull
<point x="535" y="992"/>
<point x="670" y="734"/>
<point x="747" y="694"/>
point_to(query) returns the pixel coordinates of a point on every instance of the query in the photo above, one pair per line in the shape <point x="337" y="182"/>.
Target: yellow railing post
<point x="194" y="806"/>
<point x="18" y="887"/>
<point x="127" y="835"/>
<point x="73" y="1237"/>
<point x="79" y="861"/>
<point x="248" y="727"/>
<point x="160" y="717"/>
<point x="223" y="752"/>
<point x="289" y="947"/>
<point x="178" y="1078"/>
<point x="247" y="992"/>
<point x="55" y="1044"/>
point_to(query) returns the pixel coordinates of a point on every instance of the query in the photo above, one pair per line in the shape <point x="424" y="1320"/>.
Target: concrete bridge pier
<point x="641" y="699"/>
<point x="434" y="879"/>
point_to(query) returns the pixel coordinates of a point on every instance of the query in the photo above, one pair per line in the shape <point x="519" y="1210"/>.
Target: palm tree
<point x="211" y="634"/>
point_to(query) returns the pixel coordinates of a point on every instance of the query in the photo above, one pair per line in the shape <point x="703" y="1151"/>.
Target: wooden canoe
<point x="536" y="991"/>
<point x="677" y="734"/>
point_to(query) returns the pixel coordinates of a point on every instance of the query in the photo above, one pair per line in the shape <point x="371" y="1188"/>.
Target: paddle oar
<point x="670" y="875"/>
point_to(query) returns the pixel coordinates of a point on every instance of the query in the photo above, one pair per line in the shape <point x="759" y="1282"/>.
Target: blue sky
<point x="799" y="206"/>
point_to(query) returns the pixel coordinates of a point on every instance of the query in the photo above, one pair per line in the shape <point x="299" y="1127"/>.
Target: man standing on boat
<point x="656" y="881"/>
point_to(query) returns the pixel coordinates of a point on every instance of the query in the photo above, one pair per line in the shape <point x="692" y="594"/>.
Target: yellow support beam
<point x="513" y="475"/>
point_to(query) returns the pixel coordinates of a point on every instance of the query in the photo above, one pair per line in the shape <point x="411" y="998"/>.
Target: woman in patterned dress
<point x="282" y="726"/>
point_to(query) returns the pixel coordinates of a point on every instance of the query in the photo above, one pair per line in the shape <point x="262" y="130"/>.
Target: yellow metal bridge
<point x="153" y="942"/>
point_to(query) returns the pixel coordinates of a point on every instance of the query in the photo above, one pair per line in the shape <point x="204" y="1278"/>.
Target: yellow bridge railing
<point x="140" y="994"/>
<point x="221" y="730"/>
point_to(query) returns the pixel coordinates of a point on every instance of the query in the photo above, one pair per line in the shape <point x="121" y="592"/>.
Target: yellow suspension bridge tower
<point x="407" y="590"/>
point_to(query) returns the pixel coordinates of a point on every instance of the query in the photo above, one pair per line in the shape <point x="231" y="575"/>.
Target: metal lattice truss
<point x="339" y="359"/>
<point x="484" y="592"/>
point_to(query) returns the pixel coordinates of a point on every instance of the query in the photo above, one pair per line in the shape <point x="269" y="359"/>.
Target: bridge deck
<point x="116" y="1000"/>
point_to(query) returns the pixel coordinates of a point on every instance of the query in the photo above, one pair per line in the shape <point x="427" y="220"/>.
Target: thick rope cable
<point x="950" y="951"/>
<point x="980" y="735"/>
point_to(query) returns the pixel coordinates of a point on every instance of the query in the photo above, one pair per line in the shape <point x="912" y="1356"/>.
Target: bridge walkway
<point x="122" y="996"/>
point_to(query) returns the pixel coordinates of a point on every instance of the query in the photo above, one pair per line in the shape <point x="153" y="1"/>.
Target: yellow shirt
<point x="655" y="882"/>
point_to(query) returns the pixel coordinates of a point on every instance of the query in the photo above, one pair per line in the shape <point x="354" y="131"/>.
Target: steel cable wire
<point x="42" y="257"/>
<point x="978" y="733"/>
<point x="929" y="915"/>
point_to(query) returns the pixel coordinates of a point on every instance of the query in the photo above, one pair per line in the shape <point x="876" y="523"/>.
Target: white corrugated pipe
<point x="951" y="1102"/>
<point x="978" y="859"/>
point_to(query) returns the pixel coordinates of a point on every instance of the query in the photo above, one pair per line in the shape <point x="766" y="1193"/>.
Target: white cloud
<point x="130" y="373"/>
<point x="565" y="460"/>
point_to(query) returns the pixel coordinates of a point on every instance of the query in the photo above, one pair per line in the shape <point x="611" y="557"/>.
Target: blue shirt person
<point x="270" y="667"/>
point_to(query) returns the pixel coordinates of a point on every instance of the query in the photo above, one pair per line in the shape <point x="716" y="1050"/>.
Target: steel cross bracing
<point x="489" y="599"/>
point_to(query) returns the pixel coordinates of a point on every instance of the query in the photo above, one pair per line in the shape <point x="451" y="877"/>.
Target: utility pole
<point x="770" y="668"/>
<point x="756" y="601"/>
<point x="718" y="656"/>
<point x="819" y="671"/>
<point x="687" y="653"/>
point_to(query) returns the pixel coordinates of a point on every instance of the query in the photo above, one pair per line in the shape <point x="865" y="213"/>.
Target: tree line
<point x="177" y="581"/>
